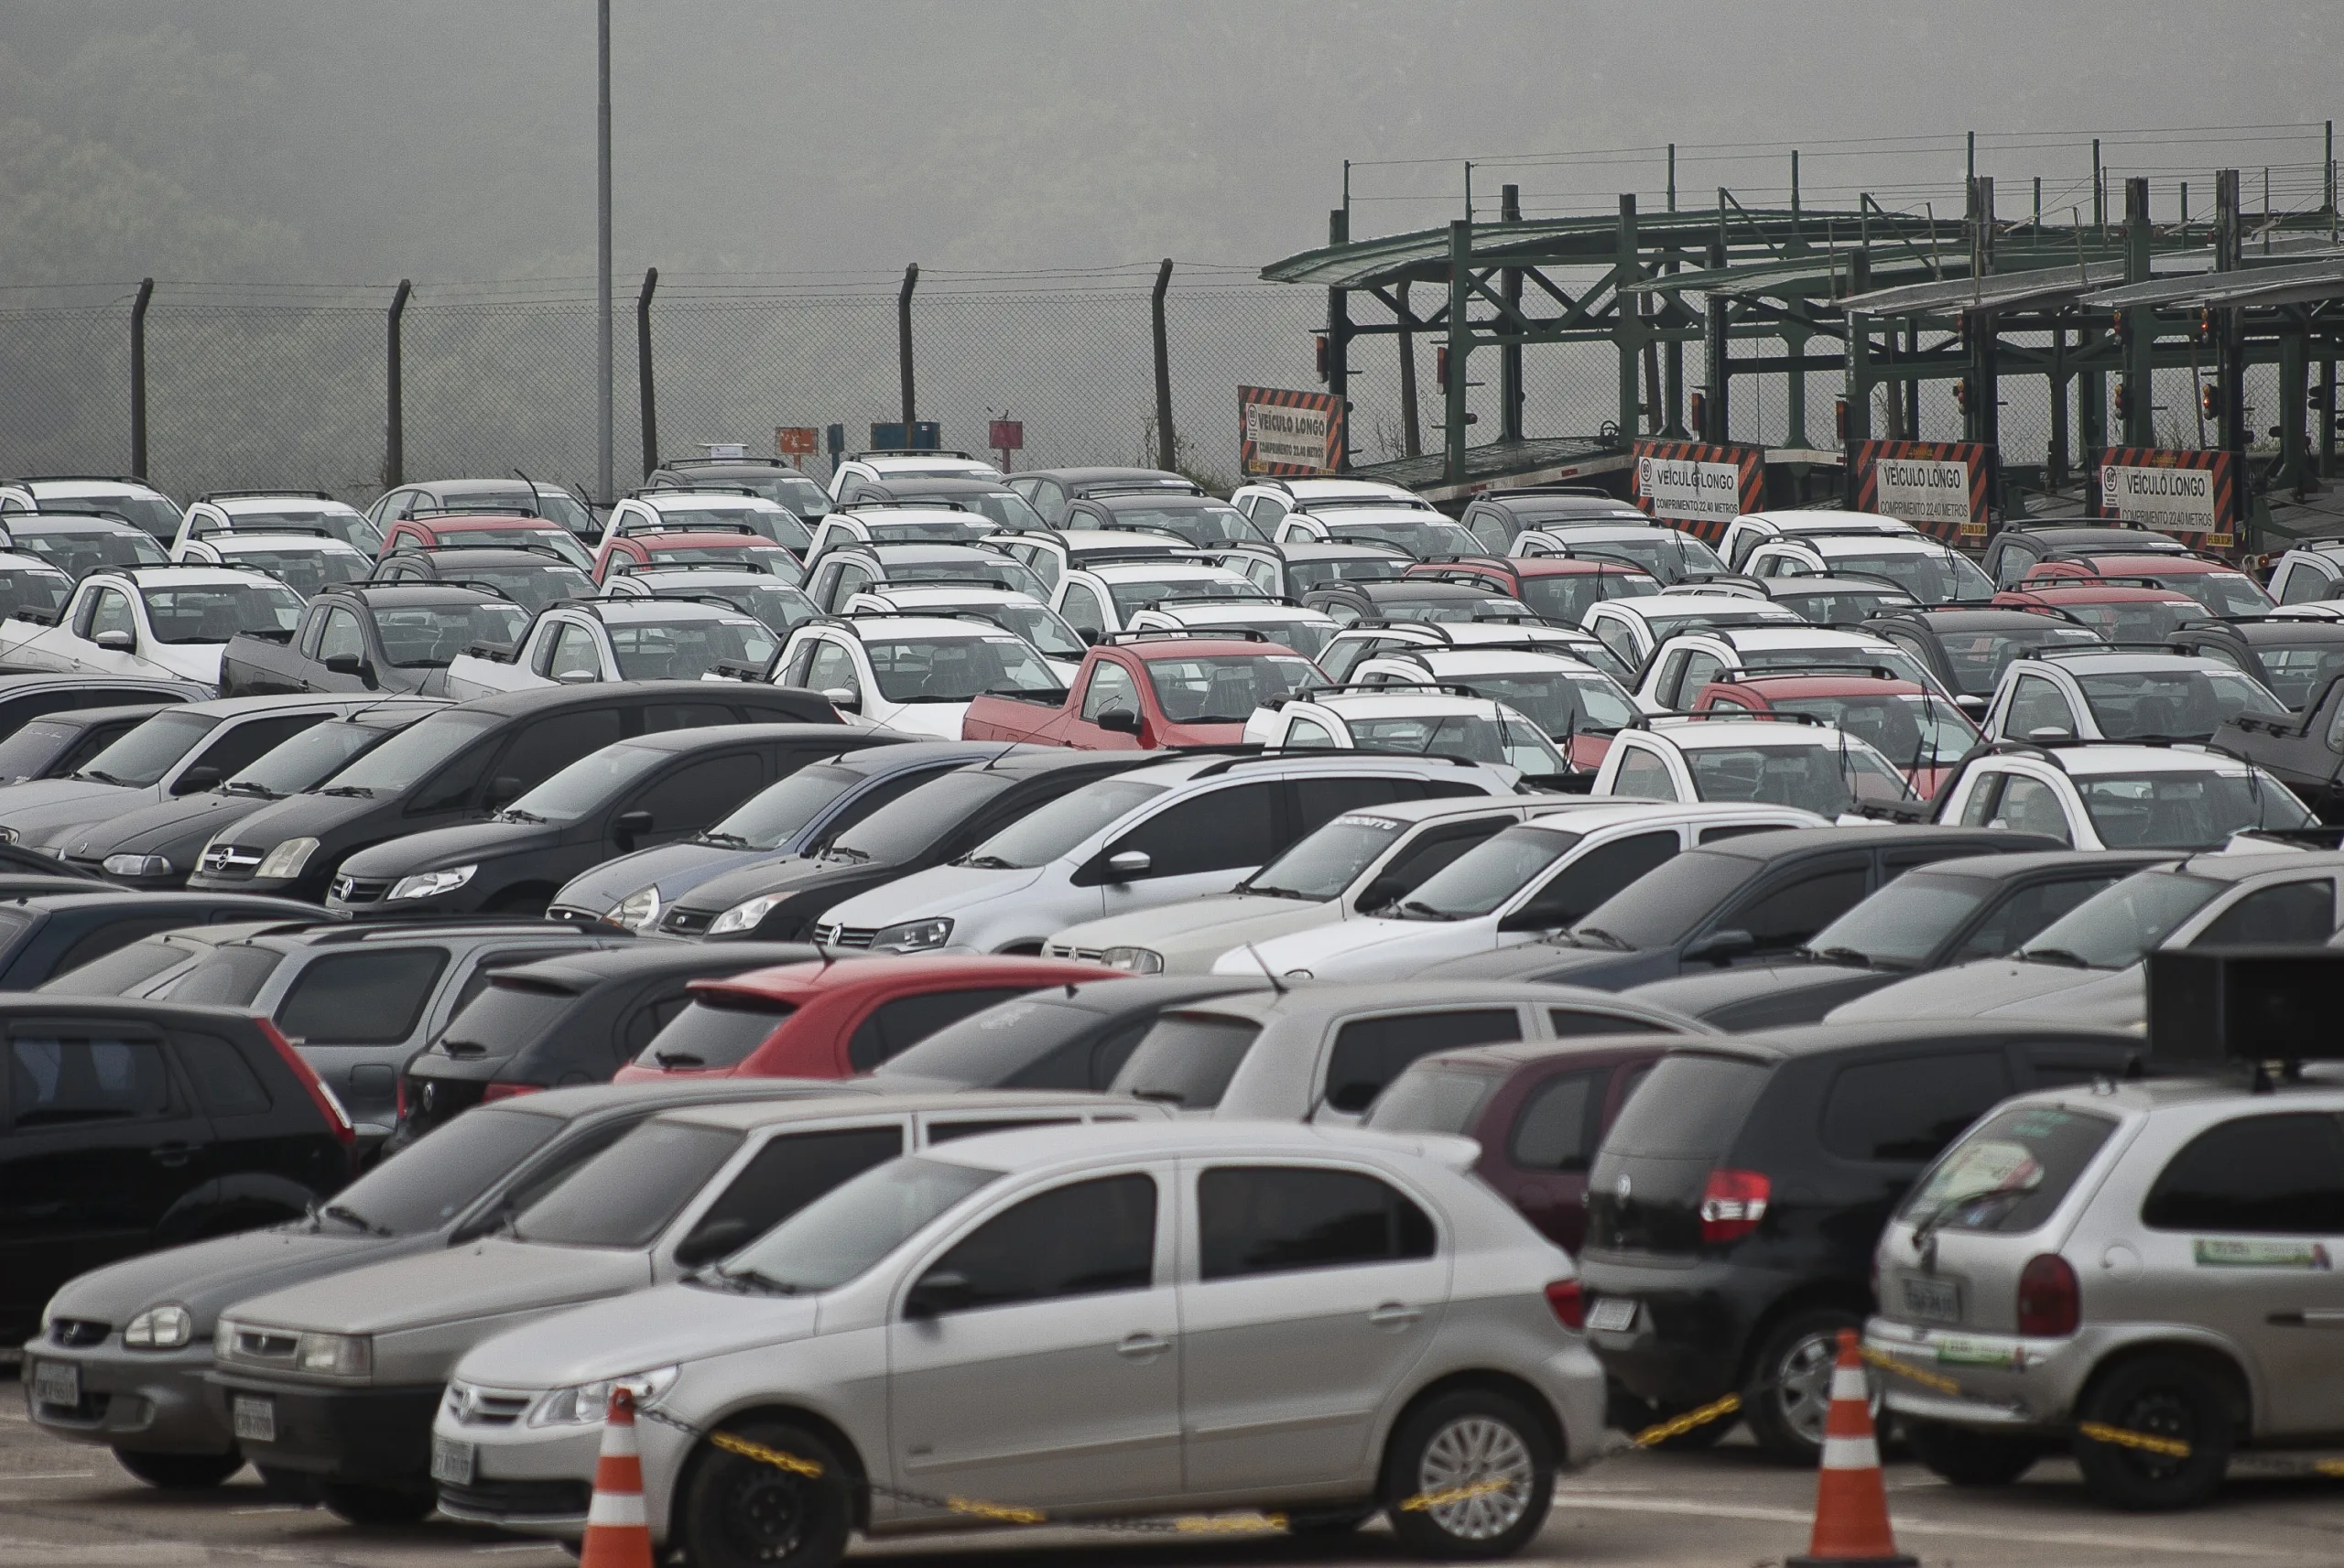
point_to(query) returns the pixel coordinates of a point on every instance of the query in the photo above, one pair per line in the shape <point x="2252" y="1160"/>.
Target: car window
<point x="831" y="669"/>
<point x="1085" y="1238"/>
<point x="55" y="1078"/>
<point x="2017" y="920"/>
<point x="115" y="935"/>
<point x="2009" y="1173"/>
<point x="2024" y="804"/>
<point x="1188" y="1059"/>
<point x="626" y="1195"/>
<point x="553" y="743"/>
<point x="697" y="793"/>
<point x="341" y="637"/>
<point x="234" y="747"/>
<point x="110" y="612"/>
<point x="1907" y="1111"/>
<point x="791" y="1171"/>
<point x="1698" y="670"/>
<point x="2038" y="709"/>
<point x="572" y="651"/>
<point x="1573" y="893"/>
<point x="646" y="1020"/>
<point x="2277" y="1174"/>
<point x="717" y="1029"/>
<point x="1556" y="1128"/>
<point x="1222" y="829"/>
<point x="1787" y="913"/>
<point x="2301" y="912"/>
<point x="1575" y="1023"/>
<point x="1275" y="1219"/>
<point x="906" y="1021"/>
<point x="1110" y="687"/>
<point x="1644" y="775"/>
<point x="1079" y="607"/>
<point x="1370" y="1051"/>
<point x="361" y="998"/>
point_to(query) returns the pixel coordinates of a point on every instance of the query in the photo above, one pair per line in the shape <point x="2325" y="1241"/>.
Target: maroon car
<point x="1539" y="1108"/>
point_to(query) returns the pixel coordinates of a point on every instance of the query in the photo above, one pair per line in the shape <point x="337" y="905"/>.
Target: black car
<point x="1761" y="896"/>
<point x="46" y="933"/>
<point x="1414" y="598"/>
<point x="560" y="1021"/>
<point x="1946" y="913"/>
<point x="632" y="794"/>
<point x="530" y="576"/>
<point x="1204" y="521"/>
<point x="1070" y="1037"/>
<point x="57" y="744"/>
<point x="36" y="694"/>
<point x="1967" y="648"/>
<point x="157" y="846"/>
<point x="1292" y="569"/>
<point x="361" y="637"/>
<point x="2017" y="548"/>
<point x="1733" y="1206"/>
<point x="2294" y="657"/>
<point x="126" y="1126"/>
<point x="941" y="819"/>
<point x="1054" y="491"/>
<point x="988" y="498"/>
<point x="769" y="477"/>
<point x="461" y="763"/>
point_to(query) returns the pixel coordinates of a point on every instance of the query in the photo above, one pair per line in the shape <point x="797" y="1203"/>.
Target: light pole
<point x="602" y="254"/>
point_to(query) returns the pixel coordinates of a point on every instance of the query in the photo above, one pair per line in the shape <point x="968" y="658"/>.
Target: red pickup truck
<point x="1138" y="690"/>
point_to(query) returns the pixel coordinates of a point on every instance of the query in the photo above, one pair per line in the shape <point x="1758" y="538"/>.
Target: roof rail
<point x="338" y="932"/>
<point x="637" y="531"/>
<point x="1321" y="754"/>
<point x="1811" y="672"/>
<point x="719" y="462"/>
<point x="424" y="513"/>
<point x="1736" y="715"/>
<point x="2040" y="584"/>
<point x="909" y="452"/>
<point x="487" y="588"/>
<point x="646" y="491"/>
<point x="2079" y="650"/>
<point x="1592" y="491"/>
<point x="1181" y="633"/>
<point x="261" y="494"/>
<point x="307" y="529"/>
<point x="92" y="478"/>
<point x="1187" y="487"/>
<point x="1337" y="688"/>
<point x="1363" y="503"/>
<point x="888" y="503"/>
<point x="629" y="567"/>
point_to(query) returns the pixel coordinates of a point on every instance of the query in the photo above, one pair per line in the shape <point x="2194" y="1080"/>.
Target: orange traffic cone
<point x="617" y="1535"/>
<point x="1851" y="1503"/>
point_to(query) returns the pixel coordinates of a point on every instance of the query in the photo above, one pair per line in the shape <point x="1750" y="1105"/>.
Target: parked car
<point x="1063" y="1037"/>
<point x="369" y="637"/>
<point x="1048" y="555"/>
<point x="1911" y="725"/>
<point x="172" y="621"/>
<point x="482" y="526"/>
<point x="915" y="674"/>
<point x="1205" y="521"/>
<point x="1412" y="527"/>
<point x="682" y="544"/>
<point x="851" y="570"/>
<point x="2106" y="694"/>
<point x="2128" y="609"/>
<point x="1783" y="757"/>
<point x="2020" y="543"/>
<point x="1053" y="492"/>
<point x="923" y="463"/>
<point x="27" y="582"/>
<point x="1146" y="689"/>
<point x="1266" y="499"/>
<point x="2220" y="588"/>
<point x="1560" y="587"/>
<point x="1577" y="707"/>
<point x="877" y="522"/>
<point x="307" y="560"/>
<point x="1364" y="639"/>
<point x="2292" y="656"/>
<point x="1931" y="572"/>
<point x="1693" y="656"/>
<point x="1967" y="647"/>
<point x="272" y="511"/>
<point x="673" y="1193"/>
<point x="990" y="499"/>
<point x="774" y="478"/>
<point x="79" y="542"/>
<point x="703" y="506"/>
<point x="1302" y="1381"/>
<point x="2108" y="795"/>
<point x="1012" y="611"/>
<point x="1350" y="600"/>
<point x="532" y="577"/>
<point x="1751" y="529"/>
<point x="776" y="604"/>
<point x="1288" y="625"/>
<point x="1498" y="518"/>
<point x="1673" y="556"/>
<point x="460" y="765"/>
<point x="833" y="1018"/>
<point x="135" y="1126"/>
<point x="1292" y="569"/>
<point x="57" y="743"/>
<point x="1633" y="628"/>
<point x="2303" y="751"/>
<point x="130" y="1342"/>
<point x="123" y="496"/>
<point x="1099" y="597"/>
<point x="1847" y="602"/>
<point x="1732" y="1206"/>
<point x="455" y="503"/>
<point x="584" y="641"/>
<point x="150" y="967"/>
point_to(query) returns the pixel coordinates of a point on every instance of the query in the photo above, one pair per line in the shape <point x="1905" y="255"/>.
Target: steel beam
<point x="1460" y="345"/>
<point x="1510" y="393"/>
<point x="1338" y="338"/>
<point x="2140" y="322"/>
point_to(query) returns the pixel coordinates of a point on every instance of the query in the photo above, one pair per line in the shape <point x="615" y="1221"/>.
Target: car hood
<point x="304" y="817"/>
<point x="483" y="1278"/>
<point x="636" y="1333"/>
<point x="206" y="1276"/>
<point x="939" y="890"/>
<point x="191" y="820"/>
<point x="673" y="868"/>
<point x="1304" y="949"/>
<point x="785" y="876"/>
<point x="1243" y="916"/>
<point x="2002" y="986"/>
<point x="1599" y="968"/>
<point x="935" y="721"/>
<point x="1763" y="996"/>
<point x="437" y="849"/>
<point x="39" y="800"/>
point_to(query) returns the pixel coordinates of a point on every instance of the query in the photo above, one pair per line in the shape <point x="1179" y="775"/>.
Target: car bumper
<point x="1574" y="1381"/>
<point x="1689" y="1338"/>
<point x="1988" y="1380"/>
<point x="537" y="1480"/>
<point x="153" y="1402"/>
<point x="382" y="1435"/>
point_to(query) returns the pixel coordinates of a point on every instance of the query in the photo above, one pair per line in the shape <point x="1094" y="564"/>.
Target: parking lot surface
<point x="63" y="1506"/>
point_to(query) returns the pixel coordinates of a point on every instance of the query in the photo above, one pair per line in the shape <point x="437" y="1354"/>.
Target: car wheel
<point x="1790" y="1391"/>
<point x="1968" y="1458"/>
<point x="358" y="1503"/>
<point x="2162" y="1396"/>
<point x="1478" y="1472"/>
<point x="742" y="1513"/>
<point x="180" y="1472"/>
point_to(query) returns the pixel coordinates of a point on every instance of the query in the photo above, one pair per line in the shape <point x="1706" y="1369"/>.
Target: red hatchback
<point x="493" y="530"/>
<point x="835" y="1020"/>
<point x="2220" y="587"/>
<point x="1918" y="731"/>
<point x="2129" y="610"/>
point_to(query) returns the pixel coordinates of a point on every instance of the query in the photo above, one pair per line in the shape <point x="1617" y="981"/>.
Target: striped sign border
<point x="2228" y="502"/>
<point x="1863" y="467"/>
<point x="1279" y="397"/>
<point x="1750" y="460"/>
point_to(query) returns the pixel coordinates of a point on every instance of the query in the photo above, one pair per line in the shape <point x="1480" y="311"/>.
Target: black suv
<point x="1733" y="1206"/>
<point x="461" y="763"/>
<point x="127" y="1126"/>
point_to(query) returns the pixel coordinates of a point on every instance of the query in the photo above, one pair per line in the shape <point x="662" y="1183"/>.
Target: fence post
<point x="1461" y="347"/>
<point x="1338" y="340"/>
<point x="394" y="402"/>
<point x="1411" y="433"/>
<point x="138" y="377"/>
<point x="904" y="348"/>
<point x="643" y="362"/>
<point x="1167" y="450"/>
<point x="1510" y="355"/>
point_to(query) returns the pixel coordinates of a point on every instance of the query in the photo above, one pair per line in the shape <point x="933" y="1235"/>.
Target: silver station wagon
<point x="1139" y="1320"/>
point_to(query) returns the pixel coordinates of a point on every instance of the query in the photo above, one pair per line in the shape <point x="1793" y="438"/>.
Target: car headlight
<point x="638" y="910"/>
<point x="1138" y="960"/>
<point x="430" y="884"/>
<point x="912" y="935"/>
<point x="287" y="858"/>
<point x="164" y="1327"/>
<point x="336" y="1354"/>
<point x="743" y="916"/>
<point x="136" y="865"/>
<point x="586" y="1404"/>
<point x="7" y="835"/>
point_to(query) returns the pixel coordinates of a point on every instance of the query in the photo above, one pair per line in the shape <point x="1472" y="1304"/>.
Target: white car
<point x="134" y="501"/>
<point x="1415" y="528"/>
<point x="2101" y="693"/>
<point x="915" y="674"/>
<point x="883" y="466"/>
<point x="1003" y="607"/>
<point x="1103" y="596"/>
<point x="152" y="620"/>
<point x="1117" y="1321"/>
<point x="1784" y="759"/>
<point x="2110" y="796"/>
<point x="1050" y="556"/>
<point x="1425" y="720"/>
<point x="1693" y="656"/>
<point x="580" y="642"/>
<point x="1358" y="864"/>
<point x="1671" y="555"/>
<point x="274" y="512"/>
<point x="305" y="562"/>
<point x="1354" y="646"/>
<point x="1751" y="529"/>
<point x="773" y="601"/>
<point x="1307" y="631"/>
<point x="1265" y="501"/>
<point x="900" y="522"/>
<point x="1157" y="835"/>
<point x="1634" y="628"/>
<point x="710" y="509"/>
<point x="1561" y="695"/>
<point x="1930" y="572"/>
<point x="1527" y="880"/>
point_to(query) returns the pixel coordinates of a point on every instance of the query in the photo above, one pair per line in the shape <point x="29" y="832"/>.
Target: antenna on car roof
<point x="1277" y="985"/>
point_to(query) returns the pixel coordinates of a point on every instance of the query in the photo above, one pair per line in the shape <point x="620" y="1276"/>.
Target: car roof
<point x="1325" y="550"/>
<point x="1547" y="565"/>
<point x="2092" y="757"/>
<point x="1313" y="998"/>
<point x="628" y="608"/>
<point x="1513" y="1054"/>
<point x="1207" y="610"/>
<point x="911" y="623"/>
<point x="909" y="552"/>
<point x="535" y="699"/>
<point x="85" y="717"/>
<point x="1595" y="812"/>
<point x="1873" y="544"/>
<point x="321" y="931"/>
<point x="2126" y="661"/>
<point x="689" y="539"/>
<point x="2290" y="631"/>
<point x="684" y="498"/>
<point x="106" y="898"/>
<point x="1817" y="1039"/>
<point x="1139" y="994"/>
<point x="1175" y="647"/>
<point x="291" y="502"/>
<point x="1469" y="660"/>
<point x="850" y="973"/>
<point x="1796" y="686"/>
<point x="1937" y="618"/>
<point x="1201" y="572"/>
<point x="2089" y="591"/>
<point x="1399" y="701"/>
<point x="508" y="522"/>
<point x="1790" y="842"/>
<point x="2215" y="866"/>
<point x="69" y="523"/>
<point x="877" y="758"/>
<point x="2027" y="863"/>
<point x="1705" y="734"/>
<point x="1760" y="638"/>
<point x="1802" y="518"/>
<point x="1751" y="612"/>
<point x="578" y="973"/>
<point x="2151" y="562"/>
<point x="710" y="737"/>
<point x="391" y="595"/>
<point x="748" y="1117"/>
<point x="699" y="578"/>
<point x="921" y="593"/>
<point x="489" y="555"/>
<point x="1039" y="1148"/>
<point x="1406" y="588"/>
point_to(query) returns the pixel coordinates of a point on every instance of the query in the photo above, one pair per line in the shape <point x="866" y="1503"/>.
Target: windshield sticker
<point x="2223" y="1252"/>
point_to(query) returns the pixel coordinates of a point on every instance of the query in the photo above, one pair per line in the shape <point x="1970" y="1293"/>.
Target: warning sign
<point x="1698" y="483"/>
<point x="2180" y="491"/>
<point x="1940" y="487"/>
<point x="1288" y="432"/>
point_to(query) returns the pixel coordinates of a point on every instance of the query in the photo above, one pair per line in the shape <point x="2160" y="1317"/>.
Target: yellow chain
<point x="1887" y="1363"/>
<point x="1680" y="1425"/>
<point x="1228" y="1524"/>
<point x="2170" y="1447"/>
<point x="763" y="1455"/>
<point x="1447" y="1495"/>
<point x="999" y="1513"/>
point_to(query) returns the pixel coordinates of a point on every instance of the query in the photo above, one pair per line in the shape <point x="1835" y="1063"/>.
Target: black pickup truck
<point x="370" y="637"/>
<point x="2304" y="751"/>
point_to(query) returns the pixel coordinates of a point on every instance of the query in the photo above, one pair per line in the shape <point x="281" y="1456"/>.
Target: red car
<point x="1559" y="587"/>
<point x="2129" y="610"/>
<point x="505" y="530"/>
<point x="746" y="549"/>
<point x="1918" y="731"/>
<point x="2220" y="587"/>
<point x="834" y="1020"/>
<point x="1138" y="690"/>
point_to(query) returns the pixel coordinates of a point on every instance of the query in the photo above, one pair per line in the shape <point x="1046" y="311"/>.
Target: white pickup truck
<point x="582" y="641"/>
<point x="151" y="620"/>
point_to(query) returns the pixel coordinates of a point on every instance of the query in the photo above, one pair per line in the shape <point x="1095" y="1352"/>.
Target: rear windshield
<point x="1690" y="1107"/>
<point x="988" y="1049"/>
<point x="1432" y="1099"/>
<point x="626" y="1195"/>
<point x="229" y="976"/>
<point x="28" y="752"/>
<point x="719" y="1029"/>
<point x="1188" y="1059"/>
<point x="116" y="973"/>
<point x="2012" y="1173"/>
<point x="411" y="1192"/>
<point x="508" y="1018"/>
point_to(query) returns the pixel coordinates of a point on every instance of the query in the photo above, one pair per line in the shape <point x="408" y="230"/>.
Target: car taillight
<point x="1568" y="1303"/>
<point x="507" y="1091"/>
<point x="2049" y="1302"/>
<point x="1732" y="1204"/>
<point x="401" y="1107"/>
<point x="322" y="1097"/>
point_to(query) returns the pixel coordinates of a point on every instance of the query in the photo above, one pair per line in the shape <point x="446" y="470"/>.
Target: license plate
<point x="1939" y="1301"/>
<point x="452" y="1462"/>
<point x="57" y="1383"/>
<point x="1613" y="1314"/>
<point x="254" y="1419"/>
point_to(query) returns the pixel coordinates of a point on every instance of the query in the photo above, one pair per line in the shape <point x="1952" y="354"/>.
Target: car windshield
<point x="795" y="490"/>
<point x="116" y="973"/>
<point x="2294" y="673"/>
<point x="78" y="550"/>
<point x="32" y="750"/>
<point x="778" y="606"/>
<point x="2009" y="1174"/>
<point x="1838" y="606"/>
<point x="1486" y="875"/>
<point x="1012" y="1044"/>
<point x="231" y="974"/>
<point x="1133" y="595"/>
<point x="1309" y="574"/>
<point x="1827" y="778"/>
<point x="1913" y="729"/>
<point x="775" y="522"/>
<point x="531" y="587"/>
<point x="1667" y="903"/>
<point x="1224" y="688"/>
<point x="889" y="528"/>
<point x="1930" y="576"/>
<point x="411" y="1194"/>
<point x="687" y="649"/>
<point x="29" y="588"/>
<point x="2133" y="621"/>
<point x="1718" y="612"/>
<point x="1000" y="572"/>
<point x="770" y="559"/>
<point x="841" y="1235"/>
<point x="2172" y="703"/>
<point x="2222" y="592"/>
<point x="2186" y="810"/>
<point x="1564" y="598"/>
<point x="587" y="785"/>
<point x="1899" y="926"/>
<point x="956" y="669"/>
<point x="186" y="616"/>
<point x="1978" y="658"/>
<point x="350" y="527"/>
<point x="719" y="1029"/>
<point x="2116" y="927"/>
<point x="1327" y="862"/>
<point x="1433" y="1098"/>
<point x="910" y="823"/>
<point x="1483" y="737"/>
<point x="1005" y="507"/>
<point x="304" y="569"/>
<point x="1037" y="623"/>
<point x="144" y="755"/>
<point x="560" y="540"/>
<point x="430" y="636"/>
<point x="1188" y="1059"/>
<point x="1669" y="553"/>
<point x="1428" y="535"/>
<point x="1561" y="702"/>
<point x="151" y="514"/>
<point x="412" y="753"/>
<point x="307" y="759"/>
<point x="1198" y="522"/>
<point x="779" y="813"/>
<point x="1057" y="827"/>
<point x="560" y="507"/>
<point x="626" y="1195"/>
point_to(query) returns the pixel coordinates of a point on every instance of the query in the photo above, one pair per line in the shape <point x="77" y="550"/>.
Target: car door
<point x="1036" y="1355"/>
<point x="1200" y="845"/>
<point x="1644" y="774"/>
<point x="683" y="801"/>
<point x="1308" y="1292"/>
<point x="340" y="637"/>
<point x="830" y="670"/>
<point x="2038" y="709"/>
<point x="110" y="615"/>
<point x="1110" y="687"/>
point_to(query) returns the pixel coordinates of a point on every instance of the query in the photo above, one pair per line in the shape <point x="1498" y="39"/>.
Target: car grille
<point x="357" y="890"/>
<point x="468" y="1405"/>
<point x="855" y="937"/>
<point x="520" y="1500"/>
<point x="1063" y="950"/>
<point x="687" y="922"/>
<point x="229" y="860"/>
<point x="78" y="1331"/>
<point x="260" y="1344"/>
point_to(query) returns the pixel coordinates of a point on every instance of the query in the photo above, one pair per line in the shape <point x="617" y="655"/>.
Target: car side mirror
<point x="1972" y="704"/>
<point x="938" y="1292"/>
<point x="195" y="779"/>
<point x="842" y="698"/>
<point x="345" y="663"/>
<point x="2046" y="733"/>
<point x="1090" y="636"/>
<point x="578" y="677"/>
<point x="120" y="642"/>
<point x="503" y="791"/>
<point x="628" y="826"/>
<point x="1126" y="864"/>
<point x="1536" y="916"/>
<point x="1352" y="1097"/>
<point x="1720" y="947"/>
<point x="711" y="1240"/>
<point x="1118" y="720"/>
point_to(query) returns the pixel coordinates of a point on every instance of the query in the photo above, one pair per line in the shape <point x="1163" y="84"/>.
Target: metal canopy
<point x="2253" y="286"/>
<point x="2037" y="285"/>
<point x="1816" y="272"/>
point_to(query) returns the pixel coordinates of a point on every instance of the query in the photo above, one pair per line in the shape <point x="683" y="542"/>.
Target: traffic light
<point x="1320" y="340"/>
<point x="1962" y="326"/>
<point x="1440" y="366"/>
<point x="1961" y="395"/>
<point x="1839" y="419"/>
<point x="2209" y="398"/>
<point x="2206" y="327"/>
<point x="2120" y="329"/>
<point x="2124" y="402"/>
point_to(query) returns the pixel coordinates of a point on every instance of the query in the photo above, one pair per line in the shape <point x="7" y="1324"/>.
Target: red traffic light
<point x="1440" y="366"/>
<point x="1320" y="341"/>
<point x="2209" y="398"/>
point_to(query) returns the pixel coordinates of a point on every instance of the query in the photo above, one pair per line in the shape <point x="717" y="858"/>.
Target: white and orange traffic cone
<point x="617" y="1532"/>
<point x="1851" y="1502"/>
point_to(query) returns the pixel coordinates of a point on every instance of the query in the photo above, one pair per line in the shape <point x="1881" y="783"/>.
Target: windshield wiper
<point x="351" y="1216"/>
<point x="1840" y="955"/>
<point x="1602" y="939"/>
<point x="678" y="1059"/>
<point x="1420" y="911"/>
<point x="95" y="776"/>
<point x="245" y="786"/>
<point x="1268" y="892"/>
<point x="514" y="814"/>
<point x="1161" y="1096"/>
<point x="986" y="863"/>
<point x="840" y="853"/>
<point x="732" y="840"/>
<point x="2059" y="956"/>
<point x="357" y="792"/>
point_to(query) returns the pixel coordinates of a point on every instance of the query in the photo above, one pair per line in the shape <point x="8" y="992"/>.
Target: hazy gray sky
<point x="360" y="140"/>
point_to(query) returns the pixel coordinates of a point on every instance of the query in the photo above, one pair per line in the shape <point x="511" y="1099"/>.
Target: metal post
<point x="1718" y="354"/>
<point x="1672" y="177"/>
<point x="643" y="386"/>
<point x="2055" y="459"/>
<point x="1627" y="328"/>
<point x="1168" y="447"/>
<point x="2327" y="416"/>
<point x="904" y="349"/>
<point x="2295" y="396"/>
<point x="395" y="383"/>
<point x="1339" y="337"/>
<point x="1510" y="352"/>
<point x="2098" y="193"/>
<point x="1411" y="427"/>
<point x="1460" y="346"/>
<point x="2230" y="333"/>
<point x="2140" y="322"/>
<point x="604" y="410"/>
<point x="138" y="376"/>
<point x="1860" y="376"/>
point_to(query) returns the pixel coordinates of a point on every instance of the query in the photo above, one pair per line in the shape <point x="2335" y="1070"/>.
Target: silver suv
<point x="2155" y="1258"/>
